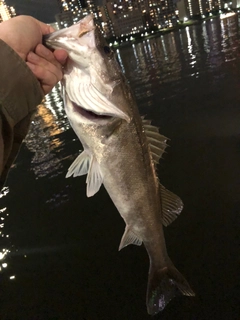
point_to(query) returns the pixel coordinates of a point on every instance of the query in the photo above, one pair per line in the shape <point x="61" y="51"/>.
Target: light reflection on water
<point x="45" y="142"/>
<point x="44" y="138"/>
<point x="191" y="52"/>
<point x="5" y="247"/>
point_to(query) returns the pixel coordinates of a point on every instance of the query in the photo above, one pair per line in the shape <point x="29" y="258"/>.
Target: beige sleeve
<point x="20" y="93"/>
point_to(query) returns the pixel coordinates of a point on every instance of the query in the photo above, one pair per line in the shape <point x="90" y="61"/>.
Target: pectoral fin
<point x="86" y="163"/>
<point x="80" y="166"/>
<point x="129" y="238"/>
<point x="94" y="178"/>
<point x="171" y="206"/>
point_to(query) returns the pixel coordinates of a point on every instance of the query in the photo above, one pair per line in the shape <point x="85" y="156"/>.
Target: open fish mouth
<point x="90" y="115"/>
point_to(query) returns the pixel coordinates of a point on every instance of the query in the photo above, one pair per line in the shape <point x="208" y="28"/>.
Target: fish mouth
<point x="90" y="115"/>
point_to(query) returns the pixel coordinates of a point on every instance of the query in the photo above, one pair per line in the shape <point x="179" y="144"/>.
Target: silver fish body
<point x="121" y="151"/>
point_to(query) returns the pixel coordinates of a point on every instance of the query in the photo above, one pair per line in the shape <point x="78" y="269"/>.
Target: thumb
<point x="45" y="29"/>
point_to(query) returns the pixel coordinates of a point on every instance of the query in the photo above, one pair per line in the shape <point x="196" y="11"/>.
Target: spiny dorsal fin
<point x="129" y="238"/>
<point x="172" y="206"/>
<point x="157" y="142"/>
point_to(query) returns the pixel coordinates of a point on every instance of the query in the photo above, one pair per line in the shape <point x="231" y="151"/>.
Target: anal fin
<point x="129" y="238"/>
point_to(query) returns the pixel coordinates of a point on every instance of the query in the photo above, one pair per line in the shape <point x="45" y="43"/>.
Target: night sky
<point x="43" y="10"/>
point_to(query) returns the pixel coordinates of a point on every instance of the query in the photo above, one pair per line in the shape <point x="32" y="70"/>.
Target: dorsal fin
<point x="157" y="142"/>
<point x="172" y="205"/>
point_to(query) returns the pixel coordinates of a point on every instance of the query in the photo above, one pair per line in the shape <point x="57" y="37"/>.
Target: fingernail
<point x="32" y="56"/>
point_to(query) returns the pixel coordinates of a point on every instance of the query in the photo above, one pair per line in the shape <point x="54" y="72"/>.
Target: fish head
<point x="71" y="40"/>
<point x="91" y="74"/>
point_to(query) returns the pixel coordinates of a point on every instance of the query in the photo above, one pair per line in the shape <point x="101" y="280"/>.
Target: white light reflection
<point x="4" y="243"/>
<point x="44" y="138"/>
<point x="135" y="54"/>
<point x="193" y="60"/>
<point x="205" y="39"/>
<point x="189" y="41"/>
<point x="145" y="49"/>
<point x="120" y="60"/>
<point x="54" y="102"/>
<point x="150" y="49"/>
<point x="164" y="48"/>
<point x="3" y="193"/>
<point x="4" y="253"/>
<point x="229" y="39"/>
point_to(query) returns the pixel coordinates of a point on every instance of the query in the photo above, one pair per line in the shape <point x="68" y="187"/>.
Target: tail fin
<point x="163" y="285"/>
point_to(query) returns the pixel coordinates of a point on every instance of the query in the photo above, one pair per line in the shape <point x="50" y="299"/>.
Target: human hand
<point x="46" y="66"/>
<point x="24" y="34"/>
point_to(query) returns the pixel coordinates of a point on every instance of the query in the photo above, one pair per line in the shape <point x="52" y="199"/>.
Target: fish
<point x="121" y="150"/>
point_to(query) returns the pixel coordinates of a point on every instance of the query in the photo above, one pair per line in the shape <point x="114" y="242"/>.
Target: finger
<point x="44" y="64"/>
<point x="61" y="56"/>
<point x="47" y="54"/>
<point x="45" y="29"/>
<point x="46" y="78"/>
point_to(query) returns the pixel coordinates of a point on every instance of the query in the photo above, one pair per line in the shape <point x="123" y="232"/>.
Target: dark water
<point x="59" y="250"/>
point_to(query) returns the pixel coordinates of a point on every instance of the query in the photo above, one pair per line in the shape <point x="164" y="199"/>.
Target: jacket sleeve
<point x="20" y="93"/>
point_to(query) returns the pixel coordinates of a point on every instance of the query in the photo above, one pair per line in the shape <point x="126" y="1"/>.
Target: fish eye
<point x="107" y="50"/>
